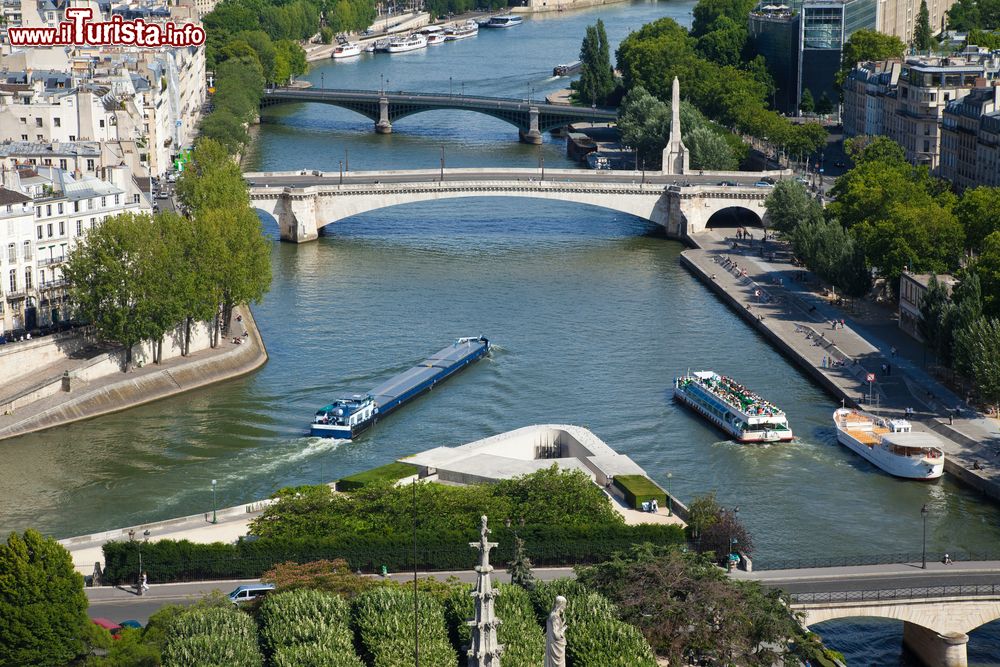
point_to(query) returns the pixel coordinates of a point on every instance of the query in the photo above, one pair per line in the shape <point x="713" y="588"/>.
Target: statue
<point x="555" y="635"/>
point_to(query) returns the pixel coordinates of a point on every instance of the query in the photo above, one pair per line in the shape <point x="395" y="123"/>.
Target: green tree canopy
<point x="923" y="38"/>
<point x="43" y="609"/>
<point x="833" y="254"/>
<point x="825" y="105"/>
<point x="936" y="319"/>
<point x="979" y="213"/>
<point x="709" y="13"/>
<point x="864" y="45"/>
<point x="987" y="267"/>
<point x="709" y="150"/>
<point x="808" y="104"/>
<point x="597" y="77"/>
<point x="789" y="204"/>
<point x="980" y="345"/>
<point x="973" y="14"/>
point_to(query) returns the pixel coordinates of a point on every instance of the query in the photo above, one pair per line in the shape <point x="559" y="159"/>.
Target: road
<point x="310" y="178"/>
<point x="119" y="604"/>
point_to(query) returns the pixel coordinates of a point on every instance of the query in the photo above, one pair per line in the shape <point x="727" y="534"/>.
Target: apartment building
<point x="913" y="107"/>
<point x="865" y="89"/>
<point x="969" y="146"/>
<point x="898" y="17"/>
<point x="49" y="209"/>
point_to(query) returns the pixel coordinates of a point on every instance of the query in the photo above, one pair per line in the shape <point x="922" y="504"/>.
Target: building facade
<point x="968" y="154"/>
<point x="912" y="287"/>
<point x="865" y="89"/>
<point x="898" y="17"/>
<point x="774" y="30"/>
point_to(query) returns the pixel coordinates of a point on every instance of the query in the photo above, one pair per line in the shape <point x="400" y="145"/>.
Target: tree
<point x="936" y="318"/>
<point x="226" y="129"/>
<point x="864" y="45"/>
<point x="980" y="342"/>
<point x="725" y="43"/>
<point x="824" y="106"/>
<point x="987" y="268"/>
<point x="690" y="612"/>
<point x="42" y="603"/>
<point x="807" y="105"/>
<point x="833" y="254"/>
<point x="326" y="34"/>
<point x="520" y="567"/>
<point x="597" y="78"/>
<point x="789" y="204"/>
<point x="923" y="38"/>
<point x="979" y="213"/>
<point x="708" y="13"/>
<point x="709" y="150"/>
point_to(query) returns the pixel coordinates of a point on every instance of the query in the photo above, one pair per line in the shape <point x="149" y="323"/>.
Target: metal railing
<point x="889" y="594"/>
<point x="870" y="559"/>
<point x="45" y="261"/>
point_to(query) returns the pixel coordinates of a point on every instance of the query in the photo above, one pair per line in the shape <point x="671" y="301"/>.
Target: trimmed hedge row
<point x="216" y="636"/>
<point x="305" y="627"/>
<point x="639" y="489"/>
<point x="383" y="617"/>
<point x="392" y="472"/>
<point x="522" y="638"/>
<point x="168" y="560"/>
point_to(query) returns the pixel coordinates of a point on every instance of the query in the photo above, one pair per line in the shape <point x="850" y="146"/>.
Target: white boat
<point x="505" y="21"/>
<point x="348" y="50"/>
<point x="732" y="407"/>
<point x="435" y="38"/>
<point x="890" y="444"/>
<point x="408" y="43"/>
<point x="370" y="47"/>
<point x="461" y="31"/>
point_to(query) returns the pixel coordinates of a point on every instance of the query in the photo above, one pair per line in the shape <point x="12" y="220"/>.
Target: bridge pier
<point x="383" y="126"/>
<point x="296" y="215"/>
<point x="532" y="136"/>
<point x="936" y="649"/>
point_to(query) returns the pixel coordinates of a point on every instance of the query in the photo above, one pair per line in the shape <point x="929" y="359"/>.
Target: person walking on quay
<point x="144" y="584"/>
<point x="824" y="361"/>
<point x="841" y="323"/>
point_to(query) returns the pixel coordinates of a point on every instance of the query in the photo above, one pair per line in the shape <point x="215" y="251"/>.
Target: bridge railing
<point x="870" y="559"/>
<point x="889" y="594"/>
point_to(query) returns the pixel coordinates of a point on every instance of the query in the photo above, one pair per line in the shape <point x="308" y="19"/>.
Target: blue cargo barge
<point x="346" y="417"/>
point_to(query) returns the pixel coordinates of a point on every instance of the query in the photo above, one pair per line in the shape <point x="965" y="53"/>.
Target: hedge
<point x="307" y="627"/>
<point x="392" y="472"/>
<point x="639" y="489"/>
<point x="383" y="618"/>
<point x="215" y="636"/>
<point x="169" y="561"/>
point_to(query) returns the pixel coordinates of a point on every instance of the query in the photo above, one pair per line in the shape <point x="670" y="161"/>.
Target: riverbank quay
<point x="76" y="389"/>
<point x="769" y="295"/>
<point x="380" y="29"/>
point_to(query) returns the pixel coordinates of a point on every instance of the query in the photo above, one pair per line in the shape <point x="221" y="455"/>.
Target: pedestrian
<point x="888" y="369"/>
<point x="833" y="324"/>
<point x="145" y="582"/>
<point x="883" y="370"/>
<point x="824" y="361"/>
<point x="841" y="323"/>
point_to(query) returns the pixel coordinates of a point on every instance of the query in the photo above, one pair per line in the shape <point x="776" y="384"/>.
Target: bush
<point x="326" y="34"/>
<point x="300" y="618"/>
<point x="390" y="473"/>
<point x="383" y="618"/>
<point x="639" y="489"/>
<point x="208" y="637"/>
<point x="167" y="560"/>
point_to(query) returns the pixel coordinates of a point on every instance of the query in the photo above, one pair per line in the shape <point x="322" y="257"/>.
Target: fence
<point x="889" y="594"/>
<point x="871" y="559"/>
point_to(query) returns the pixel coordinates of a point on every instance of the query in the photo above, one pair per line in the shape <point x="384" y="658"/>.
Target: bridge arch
<point x="738" y="215"/>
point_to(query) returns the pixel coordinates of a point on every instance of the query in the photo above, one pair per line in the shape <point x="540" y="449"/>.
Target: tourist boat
<point x="732" y="407"/>
<point x="346" y="417"/>
<point x="567" y="69"/>
<point x="434" y="34"/>
<point x="505" y="21"/>
<point x="461" y="31"/>
<point x="408" y="43"/>
<point x="890" y="444"/>
<point x="382" y="45"/>
<point x="348" y="50"/>
<point x="370" y="47"/>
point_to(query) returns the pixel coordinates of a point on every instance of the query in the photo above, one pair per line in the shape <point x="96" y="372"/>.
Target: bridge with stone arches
<point x="939" y="604"/>
<point x="304" y="202"/>
<point x="530" y="117"/>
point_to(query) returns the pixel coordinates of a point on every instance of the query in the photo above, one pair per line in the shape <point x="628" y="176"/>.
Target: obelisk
<point x="675" y="155"/>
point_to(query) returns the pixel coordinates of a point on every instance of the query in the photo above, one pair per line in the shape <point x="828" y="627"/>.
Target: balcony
<point x="52" y="284"/>
<point x="46" y="261"/>
<point x="16" y="295"/>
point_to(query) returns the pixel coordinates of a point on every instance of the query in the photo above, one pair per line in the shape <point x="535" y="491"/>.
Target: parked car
<point x="114" y="628"/>
<point x="249" y="592"/>
<point x="768" y="179"/>
<point x="763" y="184"/>
<point x="131" y="623"/>
<point x="163" y="195"/>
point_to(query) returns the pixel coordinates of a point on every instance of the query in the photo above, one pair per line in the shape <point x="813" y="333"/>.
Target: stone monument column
<point x="675" y="155"/>
<point x="484" y="650"/>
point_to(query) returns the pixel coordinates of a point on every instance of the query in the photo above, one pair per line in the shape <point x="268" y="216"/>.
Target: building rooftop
<point x="924" y="279"/>
<point x="8" y="197"/>
<point x="55" y="149"/>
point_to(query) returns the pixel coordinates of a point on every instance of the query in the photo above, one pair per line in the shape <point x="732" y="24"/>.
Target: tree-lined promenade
<point x="137" y="277"/>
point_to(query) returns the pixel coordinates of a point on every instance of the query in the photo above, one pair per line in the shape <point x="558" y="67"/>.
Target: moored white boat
<point x="505" y="21"/>
<point x="732" y="407"/>
<point x="890" y="444"/>
<point x="461" y="31"/>
<point x="348" y="50"/>
<point x="408" y="43"/>
<point x="435" y="38"/>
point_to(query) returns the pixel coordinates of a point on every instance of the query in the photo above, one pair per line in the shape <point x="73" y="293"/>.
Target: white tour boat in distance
<point x="461" y="31"/>
<point x="732" y="407"/>
<point x="408" y="43"/>
<point x="348" y="50"/>
<point x="434" y="34"/>
<point x="505" y="21"/>
<point x="890" y="444"/>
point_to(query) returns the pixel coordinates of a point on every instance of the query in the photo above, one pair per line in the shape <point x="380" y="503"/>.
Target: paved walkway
<point x="634" y="517"/>
<point x="799" y="318"/>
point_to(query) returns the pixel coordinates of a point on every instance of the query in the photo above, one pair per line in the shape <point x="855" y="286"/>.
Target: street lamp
<point x="732" y="540"/>
<point x="442" y="164"/>
<point x="670" y="498"/>
<point x="321" y="77"/>
<point x="923" y="513"/>
<point x="341" y="172"/>
<point x="381" y="83"/>
<point x="416" y="627"/>
<point x="541" y="165"/>
<point x="449" y="87"/>
<point x="214" y="504"/>
<point x="347" y="163"/>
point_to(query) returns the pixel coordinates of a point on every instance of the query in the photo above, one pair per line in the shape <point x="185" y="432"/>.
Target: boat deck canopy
<point x="913" y="439"/>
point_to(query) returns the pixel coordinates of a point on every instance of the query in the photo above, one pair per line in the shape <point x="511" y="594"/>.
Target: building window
<point x="57" y="122"/>
<point x="27" y="277"/>
<point x="79" y="227"/>
<point x="101" y="122"/>
<point x="38" y="122"/>
<point x="135" y="199"/>
<point x="104" y="202"/>
<point x="92" y="220"/>
<point x="40" y="137"/>
<point x="118" y="199"/>
<point x="62" y="164"/>
<point x="24" y="121"/>
<point x="13" y="280"/>
<point x="90" y="204"/>
<point x="76" y="206"/>
<point x="90" y="165"/>
<point x="27" y="250"/>
<point x="41" y="277"/>
<point x="24" y="137"/>
<point x="59" y="208"/>
<point x="72" y="137"/>
<point x="48" y="229"/>
<point x="62" y="228"/>
<point x="38" y="211"/>
<point x="927" y="147"/>
<point x="39" y="232"/>
<point x="11" y="253"/>
<point x="48" y="210"/>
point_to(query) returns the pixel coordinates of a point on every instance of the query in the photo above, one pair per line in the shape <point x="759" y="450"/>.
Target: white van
<point x="249" y="592"/>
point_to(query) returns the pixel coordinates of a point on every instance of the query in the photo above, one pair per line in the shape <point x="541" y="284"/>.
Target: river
<point x="591" y="314"/>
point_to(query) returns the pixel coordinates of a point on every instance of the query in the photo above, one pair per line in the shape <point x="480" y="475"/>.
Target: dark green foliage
<point x="690" y="612"/>
<point x="833" y="254"/>
<point x="864" y="45"/>
<point x="520" y="634"/>
<point x="383" y="618"/>
<point x="709" y="13"/>
<point x="980" y="345"/>
<point x="807" y="105"/>
<point x="326" y="34"/>
<point x="979" y="214"/>
<point x="303" y="627"/>
<point x="936" y="320"/>
<point x="639" y="489"/>
<point x="520" y="566"/>
<point x="789" y="205"/>
<point x="988" y="39"/>
<point x="923" y="38"/>
<point x="210" y="637"/>
<point x="824" y="106"/>
<point x="972" y="14"/>
<point x="42" y="604"/>
<point x="716" y="530"/>
<point x="597" y="77"/>
<point x="391" y="473"/>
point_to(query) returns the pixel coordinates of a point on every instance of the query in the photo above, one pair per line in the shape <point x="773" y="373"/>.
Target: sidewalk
<point x="798" y="321"/>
